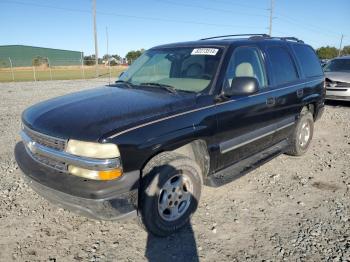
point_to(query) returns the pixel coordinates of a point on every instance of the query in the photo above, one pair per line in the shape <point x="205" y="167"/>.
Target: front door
<point x="245" y="123"/>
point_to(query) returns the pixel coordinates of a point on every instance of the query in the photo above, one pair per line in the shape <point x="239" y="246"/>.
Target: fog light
<point x="94" y="174"/>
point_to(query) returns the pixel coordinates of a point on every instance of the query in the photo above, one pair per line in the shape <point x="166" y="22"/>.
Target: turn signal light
<point x="94" y="174"/>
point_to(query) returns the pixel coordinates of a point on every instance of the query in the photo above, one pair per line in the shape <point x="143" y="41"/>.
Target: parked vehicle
<point x="337" y="73"/>
<point x="183" y="115"/>
<point x="324" y="62"/>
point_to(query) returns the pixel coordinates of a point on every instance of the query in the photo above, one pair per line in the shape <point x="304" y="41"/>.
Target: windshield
<point x="338" y="65"/>
<point x="183" y="69"/>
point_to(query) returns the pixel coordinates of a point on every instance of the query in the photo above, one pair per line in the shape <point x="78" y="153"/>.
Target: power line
<point x="238" y="4"/>
<point x="129" y="16"/>
<point x="310" y="26"/>
<point x="208" y="8"/>
<point x="304" y="27"/>
<point x="234" y="4"/>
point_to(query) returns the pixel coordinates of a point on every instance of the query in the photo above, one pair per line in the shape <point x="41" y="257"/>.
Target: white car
<point x="337" y="73"/>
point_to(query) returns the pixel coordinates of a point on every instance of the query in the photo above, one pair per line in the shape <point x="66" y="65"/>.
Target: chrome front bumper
<point x="102" y="200"/>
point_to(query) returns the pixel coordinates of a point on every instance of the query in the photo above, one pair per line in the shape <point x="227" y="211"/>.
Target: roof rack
<point x="290" y="38"/>
<point x="221" y="36"/>
<point x="257" y="36"/>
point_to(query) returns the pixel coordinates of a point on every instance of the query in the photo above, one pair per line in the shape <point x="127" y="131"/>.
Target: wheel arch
<point x="196" y="150"/>
<point x="310" y="107"/>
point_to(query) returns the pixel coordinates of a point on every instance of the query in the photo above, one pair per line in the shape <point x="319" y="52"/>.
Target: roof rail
<point x="289" y="38"/>
<point x="257" y="36"/>
<point x="221" y="36"/>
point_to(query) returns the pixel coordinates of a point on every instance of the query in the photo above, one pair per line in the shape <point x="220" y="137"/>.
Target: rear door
<point x="311" y="73"/>
<point x="286" y="90"/>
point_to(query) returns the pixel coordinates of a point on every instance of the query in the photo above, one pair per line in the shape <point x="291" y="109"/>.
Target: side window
<point x="246" y="61"/>
<point x="308" y="60"/>
<point x="283" y="68"/>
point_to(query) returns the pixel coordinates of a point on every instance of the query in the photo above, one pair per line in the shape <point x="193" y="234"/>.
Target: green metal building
<point x="21" y="55"/>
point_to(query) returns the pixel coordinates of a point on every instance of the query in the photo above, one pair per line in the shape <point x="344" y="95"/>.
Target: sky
<point x="136" y="24"/>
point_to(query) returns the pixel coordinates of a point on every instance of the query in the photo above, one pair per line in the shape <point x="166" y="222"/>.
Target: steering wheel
<point x="206" y="76"/>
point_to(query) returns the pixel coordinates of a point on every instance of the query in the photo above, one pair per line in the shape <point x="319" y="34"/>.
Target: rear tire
<point x="170" y="192"/>
<point x="302" y="135"/>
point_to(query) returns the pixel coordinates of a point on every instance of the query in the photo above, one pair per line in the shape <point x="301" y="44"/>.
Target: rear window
<point x="282" y="65"/>
<point x="308" y="60"/>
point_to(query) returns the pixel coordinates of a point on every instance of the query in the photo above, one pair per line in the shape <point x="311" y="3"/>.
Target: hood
<point x="88" y="115"/>
<point x="338" y="76"/>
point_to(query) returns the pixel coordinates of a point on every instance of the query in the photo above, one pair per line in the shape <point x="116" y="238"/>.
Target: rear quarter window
<point x="308" y="60"/>
<point x="282" y="65"/>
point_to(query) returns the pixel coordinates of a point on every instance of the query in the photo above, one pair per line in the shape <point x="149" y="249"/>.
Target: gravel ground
<point x="289" y="209"/>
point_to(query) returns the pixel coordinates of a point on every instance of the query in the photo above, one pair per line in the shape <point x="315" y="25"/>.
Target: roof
<point x="228" y="40"/>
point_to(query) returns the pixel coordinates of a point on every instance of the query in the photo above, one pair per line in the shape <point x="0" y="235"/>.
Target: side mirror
<point x="242" y="86"/>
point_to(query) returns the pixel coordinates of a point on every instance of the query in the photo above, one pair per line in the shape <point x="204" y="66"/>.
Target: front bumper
<point x="338" y="94"/>
<point x="102" y="200"/>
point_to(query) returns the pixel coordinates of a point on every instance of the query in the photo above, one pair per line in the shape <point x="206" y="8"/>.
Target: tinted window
<point x="283" y="68"/>
<point x="246" y="61"/>
<point x="308" y="60"/>
<point x="338" y="65"/>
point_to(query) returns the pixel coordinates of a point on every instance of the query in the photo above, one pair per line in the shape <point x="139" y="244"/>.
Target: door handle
<point x="271" y="101"/>
<point x="300" y="92"/>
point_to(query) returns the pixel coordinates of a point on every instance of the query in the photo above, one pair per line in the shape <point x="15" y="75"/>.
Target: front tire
<point x="302" y="135"/>
<point x="170" y="193"/>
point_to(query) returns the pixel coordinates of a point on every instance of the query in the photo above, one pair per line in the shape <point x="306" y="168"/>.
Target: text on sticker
<point x="204" y="51"/>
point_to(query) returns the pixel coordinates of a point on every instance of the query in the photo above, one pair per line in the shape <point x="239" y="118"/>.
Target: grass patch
<point x="57" y="73"/>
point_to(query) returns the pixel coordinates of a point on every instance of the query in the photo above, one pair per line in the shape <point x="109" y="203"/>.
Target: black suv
<point x="182" y="115"/>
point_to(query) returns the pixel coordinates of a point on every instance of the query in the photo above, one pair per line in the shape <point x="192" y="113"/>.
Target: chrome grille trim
<point x="58" y="166"/>
<point x="46" y="140"/>
<point x="37" y="150"/>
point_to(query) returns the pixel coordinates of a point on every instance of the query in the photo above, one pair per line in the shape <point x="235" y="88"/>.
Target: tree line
<point x="131" y="56"/>
<point x="329" y="52"/>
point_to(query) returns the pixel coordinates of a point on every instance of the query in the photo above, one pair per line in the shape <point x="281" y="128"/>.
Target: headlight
<point x="90" y="149"/>
<point x="94" y="150"/>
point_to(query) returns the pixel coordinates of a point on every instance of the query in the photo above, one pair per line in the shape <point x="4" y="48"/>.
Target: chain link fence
<point x="43" y="69"/>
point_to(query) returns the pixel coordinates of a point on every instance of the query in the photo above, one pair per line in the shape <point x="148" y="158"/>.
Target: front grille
<point x="50" y="142"/>
<point x="45" y="140"/>
<point x="60" y="166"/>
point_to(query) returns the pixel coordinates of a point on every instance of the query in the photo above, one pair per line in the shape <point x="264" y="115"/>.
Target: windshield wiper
<point x="169" y="88"/>
<point x="128" y="84"/>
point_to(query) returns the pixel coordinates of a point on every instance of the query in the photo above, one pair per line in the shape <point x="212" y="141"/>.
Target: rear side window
<point x="283" y="68"/>
<point x="308" y="60"/>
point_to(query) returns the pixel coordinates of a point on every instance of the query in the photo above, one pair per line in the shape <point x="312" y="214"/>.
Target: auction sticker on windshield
<point x="204" y="51"/>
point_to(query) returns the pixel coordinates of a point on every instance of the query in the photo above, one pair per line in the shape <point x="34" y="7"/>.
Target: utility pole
<point x="272" y="3"/>
<point x="109" y="62"/>
<point x="95" y="35"/>
<point x="13" y="75"/>
<point x="341" y="43"/>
